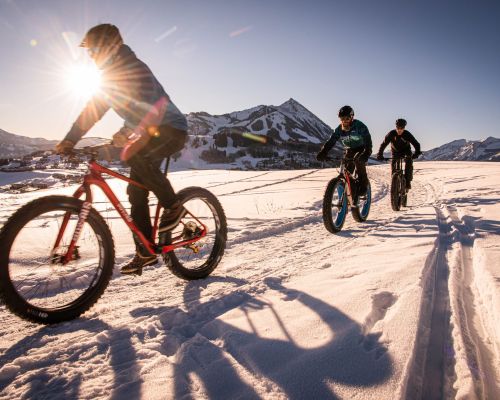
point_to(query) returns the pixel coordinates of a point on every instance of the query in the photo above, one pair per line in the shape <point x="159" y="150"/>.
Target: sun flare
<point x="83" y="80"/>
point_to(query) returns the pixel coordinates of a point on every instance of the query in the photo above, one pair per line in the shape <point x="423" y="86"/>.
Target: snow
<point x="292" y="311"/>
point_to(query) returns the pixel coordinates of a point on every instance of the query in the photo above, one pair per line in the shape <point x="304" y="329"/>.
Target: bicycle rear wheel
<point x="199" y="259"/>
<point x="334" y="205"/>
<point x="362" y="208"/>
<point x="34" y="283"/>
<point x="396" y="191"/>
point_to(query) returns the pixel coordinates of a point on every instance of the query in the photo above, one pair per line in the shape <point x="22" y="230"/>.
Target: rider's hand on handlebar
<point x="416" y="155"/>
<point x="121" y="137"/>
<point x="362" y="156"/>
<point x="64" y="147"/>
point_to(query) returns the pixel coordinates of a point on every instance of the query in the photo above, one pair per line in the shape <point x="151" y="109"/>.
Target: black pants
<point x="360" y="165"/>
<point x="145" y="169"/>
<point x="408" y="166"/>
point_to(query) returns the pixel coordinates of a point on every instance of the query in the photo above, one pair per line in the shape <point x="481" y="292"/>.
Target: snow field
<point x="292" y="311"/>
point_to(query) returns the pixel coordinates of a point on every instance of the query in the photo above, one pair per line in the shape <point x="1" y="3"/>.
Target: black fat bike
<point x="399" y="192"/>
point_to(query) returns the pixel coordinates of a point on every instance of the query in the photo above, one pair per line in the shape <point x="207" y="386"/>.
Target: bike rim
<point x="35" y="270"/>
<point x="364" y="203"/>
<point x="197" y="255"/>
<point x="339" y="204"/>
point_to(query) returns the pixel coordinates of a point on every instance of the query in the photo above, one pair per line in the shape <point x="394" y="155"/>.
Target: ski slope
<point x="404" y="305"/>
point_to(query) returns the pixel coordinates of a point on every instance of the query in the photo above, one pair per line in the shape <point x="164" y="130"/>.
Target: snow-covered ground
<point x="405" y="305"/>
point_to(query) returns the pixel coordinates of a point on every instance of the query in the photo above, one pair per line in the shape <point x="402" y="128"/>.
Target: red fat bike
<point x="57" y="252"/>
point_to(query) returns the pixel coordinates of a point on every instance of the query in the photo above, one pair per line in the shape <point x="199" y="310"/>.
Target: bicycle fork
<point x="72" y="248"/>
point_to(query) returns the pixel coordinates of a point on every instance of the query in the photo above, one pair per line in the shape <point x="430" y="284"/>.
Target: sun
<point x="83" y="80"/>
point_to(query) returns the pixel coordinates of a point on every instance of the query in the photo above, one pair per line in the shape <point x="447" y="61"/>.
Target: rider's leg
<point x="168" y="142"/>
<point x="362" y="176"/>
<point x="408" y="172"/>
<point x="139" y="212"/>
<point x="393" y="164"/>
<point x="138" y="199"/>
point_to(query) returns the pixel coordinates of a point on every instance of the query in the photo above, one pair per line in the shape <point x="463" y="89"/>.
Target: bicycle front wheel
<point x="34" y="282"/>
<point x="334" y="205"/>
<point x="199" y="259"/>
<point x="396" y="183"/>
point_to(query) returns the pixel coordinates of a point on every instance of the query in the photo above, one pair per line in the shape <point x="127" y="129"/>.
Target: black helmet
<point x="400" y="123"/>
<point x="102" y="35"/>
<point x="346" y="111"/>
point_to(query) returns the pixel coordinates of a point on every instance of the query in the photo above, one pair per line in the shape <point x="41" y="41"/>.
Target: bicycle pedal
<point x="193" y="247"/>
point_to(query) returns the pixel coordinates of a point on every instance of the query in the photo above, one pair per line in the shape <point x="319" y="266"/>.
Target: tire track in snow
<point x="479" y="359"/>
<point x="269" y="184"/>
<point x="425" y="378"/>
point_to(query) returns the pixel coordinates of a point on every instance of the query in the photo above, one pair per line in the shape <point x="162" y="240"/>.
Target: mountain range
<point x="12" y="146"/>
<point x="265" y="136"/>
<point x="464" y="150"/>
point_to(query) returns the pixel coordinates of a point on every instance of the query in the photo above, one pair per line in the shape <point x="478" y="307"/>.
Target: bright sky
<point x="435" y="63"/>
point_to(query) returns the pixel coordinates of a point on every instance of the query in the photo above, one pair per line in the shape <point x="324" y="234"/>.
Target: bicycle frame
<point x="93" y="177"/>
<point x="344" y="172"/>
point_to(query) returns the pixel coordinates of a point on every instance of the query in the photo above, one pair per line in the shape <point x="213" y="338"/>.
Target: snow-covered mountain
<point x="289" y="121"/>
<point x="12" y="146"/>
<point x="463" y="150"/>
<point x="284" y="136"/>
<point x="266" y="136"/>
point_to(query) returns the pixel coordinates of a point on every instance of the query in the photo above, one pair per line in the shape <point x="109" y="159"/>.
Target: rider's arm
<point x="331" y="142"/>
<point x="368" y="144"/>
<point x="414" y="142"/>
<point x="93" y="112"/>
<point x="384" y="144"/>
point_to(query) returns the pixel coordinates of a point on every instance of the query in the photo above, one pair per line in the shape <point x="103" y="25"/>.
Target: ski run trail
<point x="403" y="306"/>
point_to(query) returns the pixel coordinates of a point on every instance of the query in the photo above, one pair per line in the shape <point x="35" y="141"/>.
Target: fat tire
<point x="327" y="206"/>
<point x="356" y="213"/>
<point x="396" y="191"/>
<point x="217" y="252"/>
<point x="17" y="304"/>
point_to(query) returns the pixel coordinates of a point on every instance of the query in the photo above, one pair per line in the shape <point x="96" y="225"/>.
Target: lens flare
<point x="257" y="138"/>
<point x="83" y="80"/>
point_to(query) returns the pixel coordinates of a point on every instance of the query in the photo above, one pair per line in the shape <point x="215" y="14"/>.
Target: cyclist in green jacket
<point x="357" y="142"/>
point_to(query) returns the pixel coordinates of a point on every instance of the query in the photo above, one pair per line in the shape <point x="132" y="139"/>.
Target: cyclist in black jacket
<point x="154" y="129"/>
<point x="400" y="140"/>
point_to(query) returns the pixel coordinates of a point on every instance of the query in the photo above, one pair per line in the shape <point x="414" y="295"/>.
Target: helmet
<point x="400" y="123"/>
<point x="346" y="111"/>
<point x="102" y="35"/>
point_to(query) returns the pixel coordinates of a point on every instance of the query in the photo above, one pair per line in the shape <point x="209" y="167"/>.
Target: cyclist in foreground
<point x="154" y="129"/>
<point x="357" y="142"/>
<point x="400" y="140"/>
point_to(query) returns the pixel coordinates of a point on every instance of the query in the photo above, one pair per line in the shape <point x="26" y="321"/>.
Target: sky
<point x="434" y="63"/>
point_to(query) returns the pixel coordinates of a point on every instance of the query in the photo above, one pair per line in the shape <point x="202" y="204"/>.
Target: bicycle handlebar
<point x="395" y="158"/>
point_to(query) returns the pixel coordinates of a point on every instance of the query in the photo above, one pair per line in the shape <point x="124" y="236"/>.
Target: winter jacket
<point x="357" y="138"/>
<point x="128" y="87"/>
<point x="400" y="144"/>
